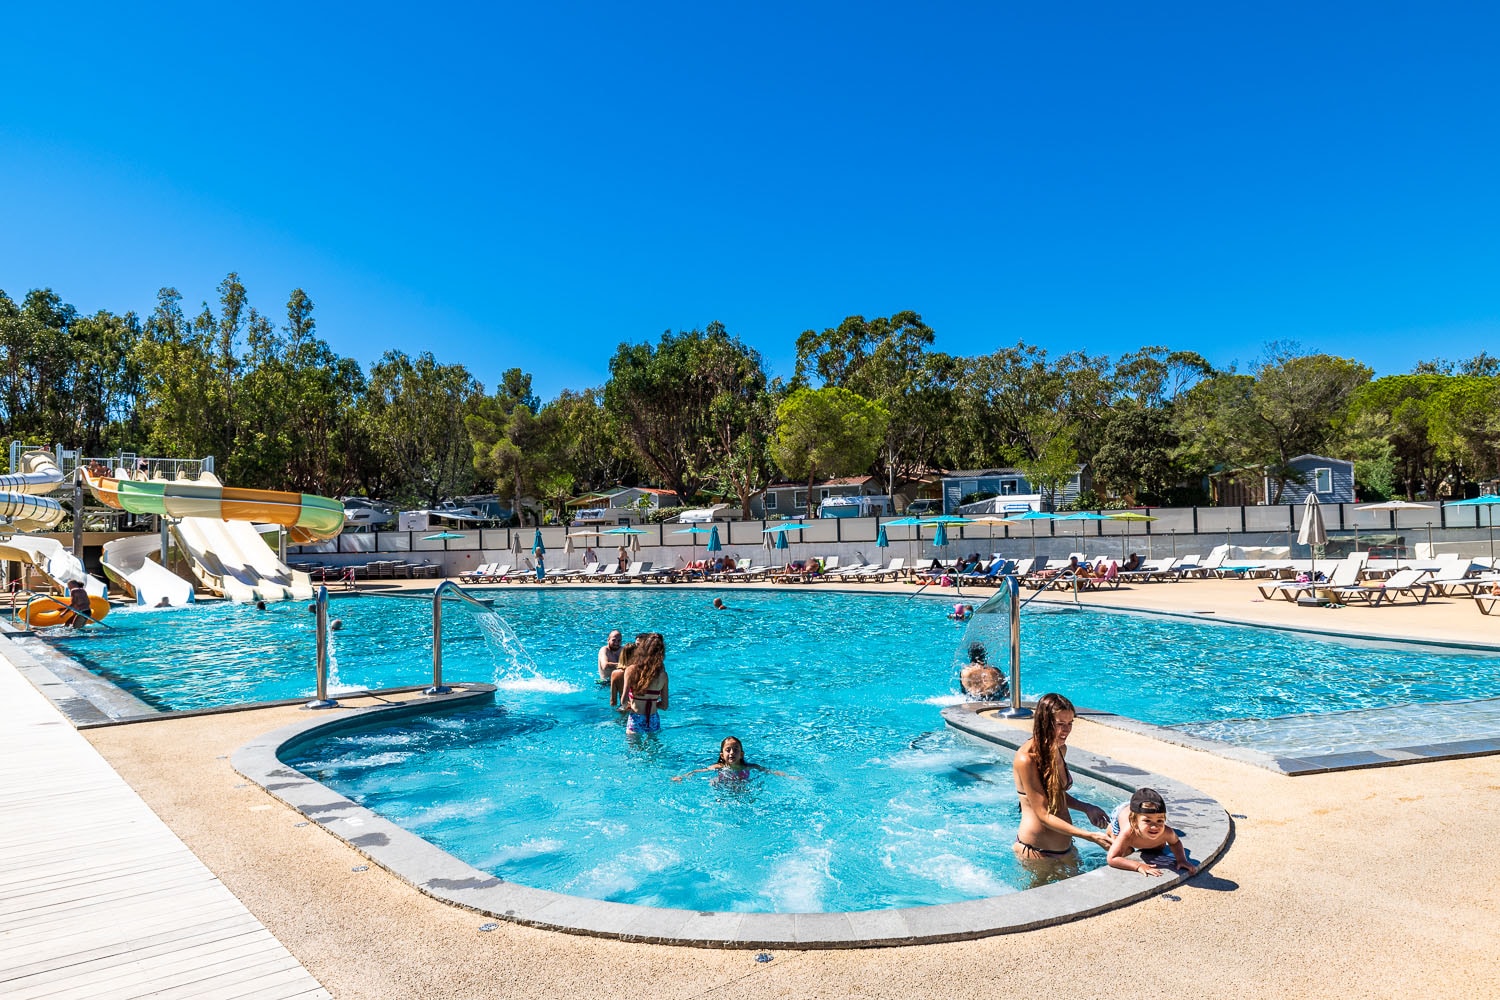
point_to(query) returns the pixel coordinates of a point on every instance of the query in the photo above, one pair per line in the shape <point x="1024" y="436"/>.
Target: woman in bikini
<point x="1046" y="832"/>
<point x="646" y="694"/>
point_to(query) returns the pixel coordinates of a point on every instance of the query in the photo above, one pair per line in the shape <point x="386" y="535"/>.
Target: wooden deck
<point x="98" y="898"/>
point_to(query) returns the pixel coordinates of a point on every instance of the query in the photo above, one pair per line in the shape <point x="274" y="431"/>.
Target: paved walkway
<point x="98" y="898"/>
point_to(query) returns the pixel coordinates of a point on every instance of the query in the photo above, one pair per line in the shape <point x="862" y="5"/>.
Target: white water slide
<point x="19" y="503"/>
<point x="128" y="562"/>
<point x="231" y="558"/>
<point x="52" y="561"/>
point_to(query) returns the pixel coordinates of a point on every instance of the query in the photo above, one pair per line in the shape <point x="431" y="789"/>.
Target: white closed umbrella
<point x="1313" y="532"/>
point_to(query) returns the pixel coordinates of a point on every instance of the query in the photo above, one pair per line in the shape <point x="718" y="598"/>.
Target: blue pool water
<point x="1160" y="670"/>
<point x="885" y="807"/>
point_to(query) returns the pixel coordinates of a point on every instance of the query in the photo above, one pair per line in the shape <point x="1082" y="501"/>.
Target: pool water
<point x="882" y="806"/>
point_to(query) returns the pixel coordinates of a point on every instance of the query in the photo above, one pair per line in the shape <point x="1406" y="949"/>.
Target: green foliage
<point x="686" y="404"/>
<point x="826" y="432"/>
<point x="887" y="360"/>
<point x="415" y="409"/>
<point x="1136" y="460"/>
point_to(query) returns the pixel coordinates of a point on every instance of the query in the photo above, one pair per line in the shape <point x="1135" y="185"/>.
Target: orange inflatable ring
<point x="45" y="611"/>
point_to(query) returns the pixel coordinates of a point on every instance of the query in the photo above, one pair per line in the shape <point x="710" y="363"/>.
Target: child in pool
<point x="731" y="765"/>
<point x="1141" y="825"/>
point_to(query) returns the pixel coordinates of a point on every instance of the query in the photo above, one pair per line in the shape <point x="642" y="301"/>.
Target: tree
<point x="887" y="360"/>
<point x="684" y="402"/>
<point x="1135" y="461"/>
<point x="1012" y="404"/>
<point x="1297" y="402"/>
<point x="415" y="409"/>
<point x="510" y="442"/>
<point x="826" y="432"/>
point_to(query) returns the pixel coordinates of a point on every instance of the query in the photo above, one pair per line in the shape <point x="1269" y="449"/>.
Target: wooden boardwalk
<point x="98" y="898"/>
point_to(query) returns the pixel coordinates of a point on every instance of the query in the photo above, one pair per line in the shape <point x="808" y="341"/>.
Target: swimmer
<point x="1141" y="825"/>
<point x="259" y="605"/>
<point x="979" y="679"/>
<point x="164" y="603"/>
<point x="732" y="765"/>
<point x="335" y="624"/>
<point x="78" y="604"/>
<point x="646" y="694"/>
<point x="719" y="604"/>
<point x="961" y="612"/>
<point x="609" y="656"/>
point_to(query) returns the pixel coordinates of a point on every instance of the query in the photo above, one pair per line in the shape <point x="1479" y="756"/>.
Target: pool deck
<point x="1370" y="883"/>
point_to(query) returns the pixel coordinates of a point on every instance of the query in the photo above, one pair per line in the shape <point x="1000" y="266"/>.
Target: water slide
<point x="214" y="529"/>
<point x="19" y="503"/>
<point x="128" y="562"/>
<point x="53" y="561"/>
<point x="232" y="558"/>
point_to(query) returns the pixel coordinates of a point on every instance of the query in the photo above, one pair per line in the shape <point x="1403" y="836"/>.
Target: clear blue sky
<point x="530" y="185"/>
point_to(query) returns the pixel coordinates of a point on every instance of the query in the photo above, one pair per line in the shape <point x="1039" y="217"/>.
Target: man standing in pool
<point x="1044" y="838"/>
<point x="609" y="656"/>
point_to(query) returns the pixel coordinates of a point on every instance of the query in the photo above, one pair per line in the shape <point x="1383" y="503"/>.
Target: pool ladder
<point x="444" y="588"/>
<point x="320" y="604"/>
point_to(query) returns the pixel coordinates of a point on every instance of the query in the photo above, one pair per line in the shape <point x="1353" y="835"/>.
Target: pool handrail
<point x="446" y="587"/>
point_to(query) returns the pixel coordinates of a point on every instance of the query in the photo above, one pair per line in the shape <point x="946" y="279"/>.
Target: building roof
<point x="843" y="481"/>
<point x="981" y="473"/>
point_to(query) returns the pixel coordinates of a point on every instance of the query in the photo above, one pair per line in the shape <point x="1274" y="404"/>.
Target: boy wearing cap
<point x="1141" y="825"/>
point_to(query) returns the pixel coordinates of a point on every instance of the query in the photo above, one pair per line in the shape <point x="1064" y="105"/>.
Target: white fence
<point x="1179" y="530"/>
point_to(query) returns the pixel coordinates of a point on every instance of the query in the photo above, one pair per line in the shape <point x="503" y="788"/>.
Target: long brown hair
<point x="649" y="660"/>
<point x="1045" y="751"/>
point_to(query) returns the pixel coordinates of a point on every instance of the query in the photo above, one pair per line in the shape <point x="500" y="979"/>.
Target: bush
<point x="663" y="514"/>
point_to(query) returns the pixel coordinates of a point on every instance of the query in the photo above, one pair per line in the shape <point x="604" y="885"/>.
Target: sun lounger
<point x="895" y="570"/>
<point x="477" y="574"/>
<point x="1344" y="574"/>
<point x="634" y="572"/>
<point x="1152" y="571"/>
<point x="1403" y="583"/>
<point x="1487" y="603"/>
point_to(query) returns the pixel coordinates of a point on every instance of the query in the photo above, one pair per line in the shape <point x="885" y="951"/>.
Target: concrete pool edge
<point x="1204" y="825"/>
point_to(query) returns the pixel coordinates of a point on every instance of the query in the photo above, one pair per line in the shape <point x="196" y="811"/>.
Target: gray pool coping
<point x="1203" y="824"/>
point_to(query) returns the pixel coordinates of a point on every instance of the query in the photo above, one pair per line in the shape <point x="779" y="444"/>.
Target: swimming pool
<point x="1165" y="671"/>
<point x="884" y="807"/>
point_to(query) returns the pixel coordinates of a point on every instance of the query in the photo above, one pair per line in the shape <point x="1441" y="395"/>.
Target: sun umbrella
<point x="780" y="532"/>
<point x="536" y="542"/>
<point x="991" y="520"/>
<point x="1488" y="501"/>
<point x="1313" y="533"/>
<point x="1033" y="516"/>
<point x="940" y="537"/>
<point x="1083" y="515"/>
<point x="714" y="544"/>
<point x="1396" y="505"/>
<point x="441" y="536"/>
<point x="568" y="551"/>
<point x="880" y="540"/>
<point x="695" y="531"/>
<point x="634" y="533"/>
<point x="905" y="522"/>
<point x="515" y="544"/>
<point x="1127" y="516"/>
<point x="781" y="542"/>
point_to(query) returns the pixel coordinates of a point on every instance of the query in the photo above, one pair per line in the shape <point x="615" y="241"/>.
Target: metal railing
<point x="443" y="589"/>
<point x="25" y="614"/>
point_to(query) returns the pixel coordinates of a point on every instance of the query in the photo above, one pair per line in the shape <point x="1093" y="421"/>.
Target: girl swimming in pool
<point x="1141" y="825"/>
<point x="731" y="765"/>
